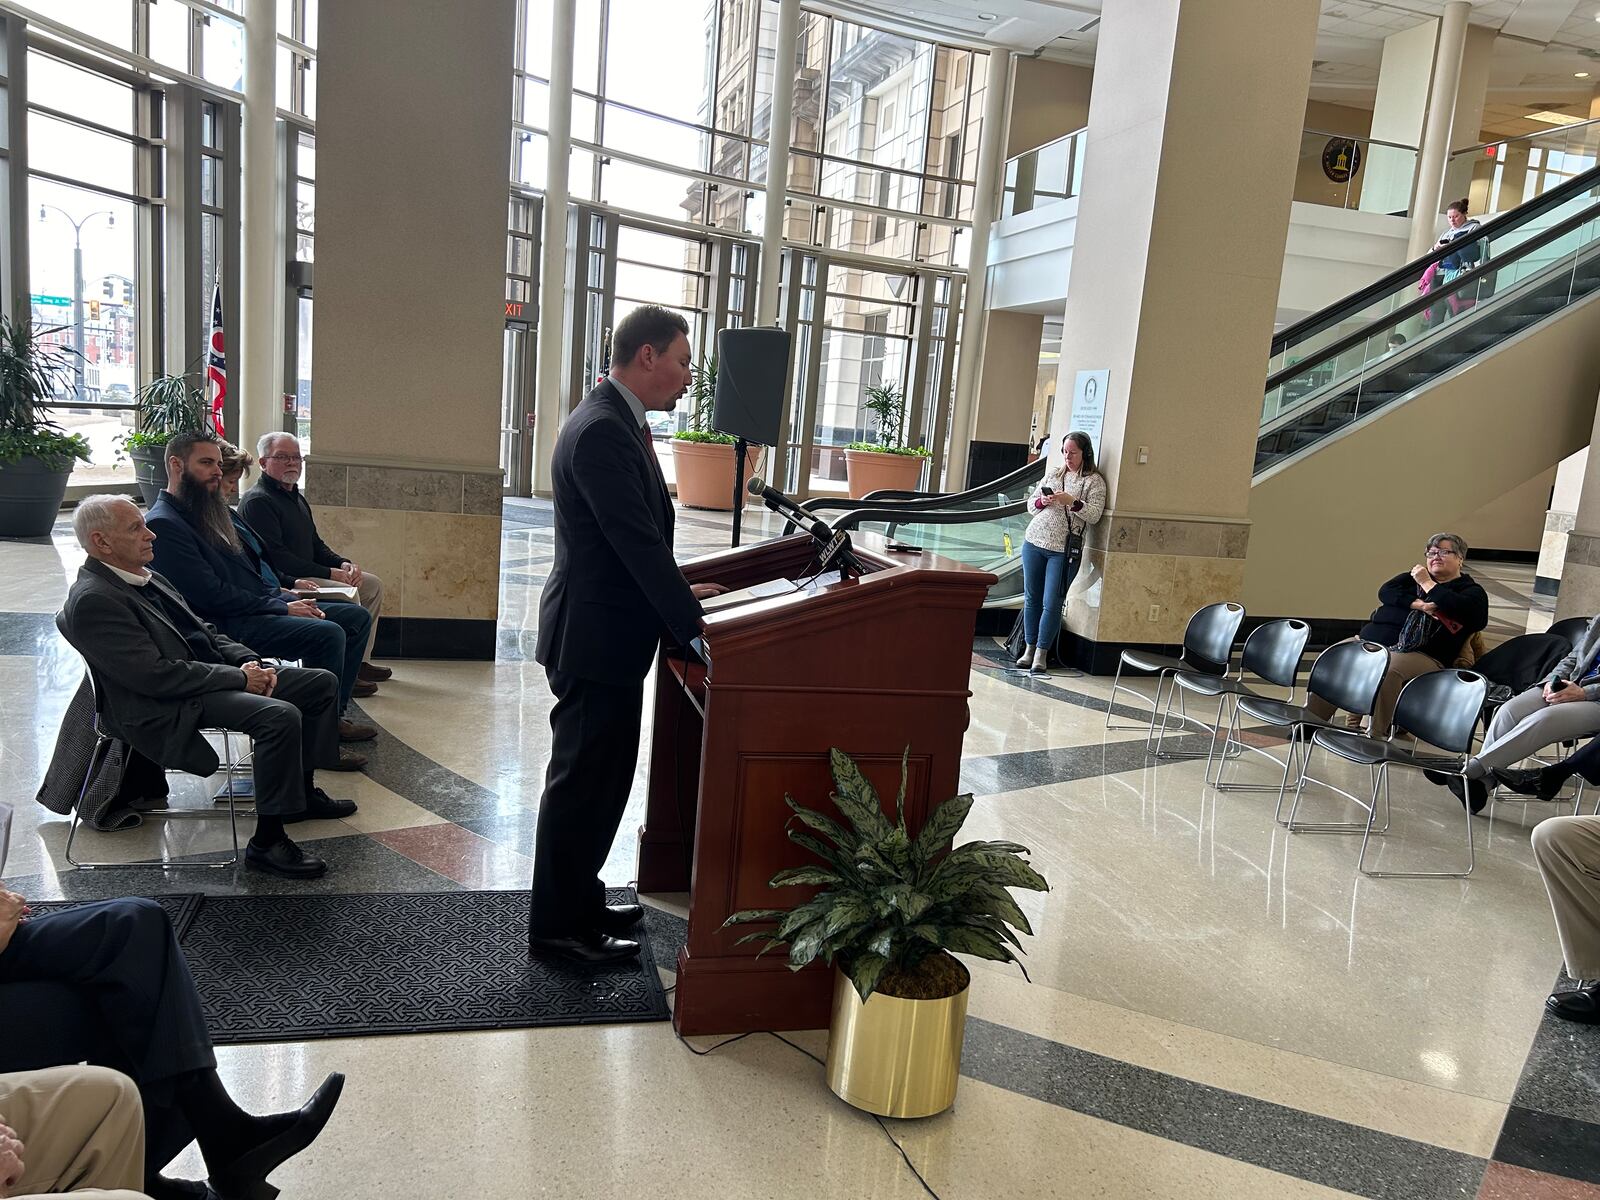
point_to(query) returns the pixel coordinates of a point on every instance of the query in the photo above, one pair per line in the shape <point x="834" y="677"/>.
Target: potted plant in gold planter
<point x="887" y="463"/>
<point x="702" y="458"/>
<point x="891" y="909"/>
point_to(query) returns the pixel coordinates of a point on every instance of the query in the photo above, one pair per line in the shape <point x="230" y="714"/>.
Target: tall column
<point x="974" y="308"/>
<point x="779" y="134"/>
<point x="1559" y="521"/>
<point x="1164" y="242"/>
<point x="258" y="340"/>
<point x="1434" y="151"/>
<point x="1578" y="579"/>
<point x="410" y="319"/>
<point x="553" y="299"/>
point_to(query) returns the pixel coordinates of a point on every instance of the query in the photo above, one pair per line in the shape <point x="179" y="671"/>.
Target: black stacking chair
<point x="102" y="747"/>
<point x="1572" y="629"/>
<point x="1347" y="675"/>
<point x="1439" y="709"/>
<point x="1271" y="653"/>
<point x="1207" y="647"/>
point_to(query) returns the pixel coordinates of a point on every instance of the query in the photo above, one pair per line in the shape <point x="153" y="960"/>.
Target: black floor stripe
<point x="1556" y="1145"/>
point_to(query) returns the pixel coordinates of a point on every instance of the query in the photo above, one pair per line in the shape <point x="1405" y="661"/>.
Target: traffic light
<point x="94" y="310"/>
<point x="108" y="287"/>
<point x="127" y="291"/>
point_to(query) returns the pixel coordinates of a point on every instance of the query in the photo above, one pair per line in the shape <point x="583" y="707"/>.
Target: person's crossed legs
<point x="1523" y="726"/>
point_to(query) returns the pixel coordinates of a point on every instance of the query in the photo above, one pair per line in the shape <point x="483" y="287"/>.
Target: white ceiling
<point x="1542" y="47"/>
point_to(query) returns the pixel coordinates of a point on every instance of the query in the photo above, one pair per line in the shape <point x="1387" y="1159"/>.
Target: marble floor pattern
<point x="1216" y="1008"/>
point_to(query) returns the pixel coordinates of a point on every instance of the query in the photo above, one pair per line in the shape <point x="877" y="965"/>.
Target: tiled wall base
<point x="1116" y="594"/>
<point x="432" y="564"/>
<point x="435" y="637"/>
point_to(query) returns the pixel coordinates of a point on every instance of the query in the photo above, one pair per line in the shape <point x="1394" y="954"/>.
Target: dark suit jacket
<point x="282" y="520"/>
<point x="217" y="584"/>
<point x="151" y="686"/>
<point x="615" y="590"/>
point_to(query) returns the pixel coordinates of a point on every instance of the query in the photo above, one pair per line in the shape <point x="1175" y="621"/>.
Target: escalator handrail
<point x="1356" y="301"/>
<point x="1412" y="307"/>
<point x="929" y="499"/>
<point x="953" y="516"/>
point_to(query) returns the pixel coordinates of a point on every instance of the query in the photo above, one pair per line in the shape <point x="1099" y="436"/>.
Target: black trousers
<point x="108" y="984"/>
<point x="295" y="730"/>
<point x="594" y="746"/>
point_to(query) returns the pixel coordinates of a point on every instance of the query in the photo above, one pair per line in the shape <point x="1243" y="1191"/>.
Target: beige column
<point x="410" y="287"/>
<point x="1432" y="153"/>
<point x="1559" y="521"/>
<point x="779" y="131"/>
<point x="1173" y="291"/>
<point x="549" y="402"/>
<point x="1579" y="594"/>
<point x="260" y="335"/>
<point x="1398" y="107"/>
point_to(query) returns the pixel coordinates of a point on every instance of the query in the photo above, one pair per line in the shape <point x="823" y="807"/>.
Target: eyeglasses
<point x="286" y="458"/>
<point x="1441" y="552"/>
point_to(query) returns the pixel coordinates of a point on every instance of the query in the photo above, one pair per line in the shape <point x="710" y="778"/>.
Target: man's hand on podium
<point x="704" y="591"/>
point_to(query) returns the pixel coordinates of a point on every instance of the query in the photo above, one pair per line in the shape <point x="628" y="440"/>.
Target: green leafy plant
<point x="908" y="451"/>
<point x="888" y="404"/>
<point x="31" y="373"/>
<point x="890" y="901"/>
<point x="702" y="396"/>
<point x="166" y="406"/>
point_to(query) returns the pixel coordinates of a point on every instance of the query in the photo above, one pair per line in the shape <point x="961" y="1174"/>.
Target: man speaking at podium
<point x="614" y="592"/>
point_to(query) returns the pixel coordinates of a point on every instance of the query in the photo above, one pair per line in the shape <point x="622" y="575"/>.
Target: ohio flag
<point x="217" y="363"/>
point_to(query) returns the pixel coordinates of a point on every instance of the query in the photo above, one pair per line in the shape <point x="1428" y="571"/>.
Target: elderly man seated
<point x="1424" y="616"/>
<point x="1565" y="706"/>
<point x="277" y="510"/>
<point x="107" y="983"/>
<point x="165" y="674"/>
<point x="200" y="550"/>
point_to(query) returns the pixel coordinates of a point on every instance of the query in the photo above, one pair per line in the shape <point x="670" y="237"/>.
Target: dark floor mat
<point x="293" y="968"/>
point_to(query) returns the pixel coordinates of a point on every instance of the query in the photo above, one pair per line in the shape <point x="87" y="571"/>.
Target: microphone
<point x="779" y="503"/>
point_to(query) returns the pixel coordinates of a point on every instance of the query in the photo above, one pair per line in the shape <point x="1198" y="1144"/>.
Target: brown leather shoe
<point x="349" y="760"/>
<point x="362" y="690"/>
<point x="349" y="731"/>
<point x="373" y="674"/>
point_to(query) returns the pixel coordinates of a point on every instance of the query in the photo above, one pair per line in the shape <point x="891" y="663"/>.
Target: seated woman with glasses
<point x="1424" y="616"/>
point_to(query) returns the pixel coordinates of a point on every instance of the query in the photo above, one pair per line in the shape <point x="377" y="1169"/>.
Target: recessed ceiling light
<point x="1580" y="74"/>
<point x="1546" y="117"/>
<point x="990" y="17"/>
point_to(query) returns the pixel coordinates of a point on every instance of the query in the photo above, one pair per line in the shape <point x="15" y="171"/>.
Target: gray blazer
<point x="1581" y="661"/>
<point x="151" y="682"/>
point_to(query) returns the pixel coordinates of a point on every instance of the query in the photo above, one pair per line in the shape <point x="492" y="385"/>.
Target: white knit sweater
<point x="1050" y="524"/>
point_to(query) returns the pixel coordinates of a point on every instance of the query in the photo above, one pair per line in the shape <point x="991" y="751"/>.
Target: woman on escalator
<point x="1463" y="230"/>
<point x="1069" y="499"/>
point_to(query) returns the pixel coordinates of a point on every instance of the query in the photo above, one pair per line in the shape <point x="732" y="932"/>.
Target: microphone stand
<point x="739" y="447"/>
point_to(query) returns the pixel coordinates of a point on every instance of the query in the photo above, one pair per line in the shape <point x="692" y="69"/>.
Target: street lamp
<point x="77" y="284"/>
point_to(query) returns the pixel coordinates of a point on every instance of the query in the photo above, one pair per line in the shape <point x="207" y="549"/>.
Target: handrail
<point x="1356" y="301"/>
<point x="1065" y="137"/>
<point x="1524" y="137"/>
<point x="911" y="500"/>
<point x="1412" y="307"/>
<point x="1359" y="137"/>
<point x="900" y="516"/>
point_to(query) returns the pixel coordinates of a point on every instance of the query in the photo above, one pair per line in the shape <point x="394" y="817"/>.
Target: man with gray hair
<point x="164" y="675"/>
<point x="277" y="510"/>
<point x="1425" y="616"/>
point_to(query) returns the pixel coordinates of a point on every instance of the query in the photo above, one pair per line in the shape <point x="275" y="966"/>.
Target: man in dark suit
<point x="165" y="674"/>
<point x="612" y="595"/>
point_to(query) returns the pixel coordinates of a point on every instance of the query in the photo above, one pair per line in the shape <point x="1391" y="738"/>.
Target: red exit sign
<point x="515" y="309"/>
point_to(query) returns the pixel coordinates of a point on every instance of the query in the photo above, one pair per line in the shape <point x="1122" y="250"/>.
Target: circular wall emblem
<point x="1341" y="158"/>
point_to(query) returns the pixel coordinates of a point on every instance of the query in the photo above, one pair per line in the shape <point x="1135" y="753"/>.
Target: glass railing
<point x="1498" y="176"/>
<point x="1343" y="171"/>
<point x="990" y="539"/>
<point x="1511" y="283"/>
<point x="1048" y="175"/>
<point x="1322" y="347"/>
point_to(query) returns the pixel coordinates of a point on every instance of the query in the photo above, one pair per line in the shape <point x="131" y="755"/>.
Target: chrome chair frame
<point x="1228" y="616"/>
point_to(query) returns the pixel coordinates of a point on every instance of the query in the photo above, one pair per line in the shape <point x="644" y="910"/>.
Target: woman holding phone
<point x="1069" y="499"/>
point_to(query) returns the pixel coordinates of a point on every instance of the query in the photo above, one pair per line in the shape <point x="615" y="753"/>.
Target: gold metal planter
<point x="895" y="1057"/>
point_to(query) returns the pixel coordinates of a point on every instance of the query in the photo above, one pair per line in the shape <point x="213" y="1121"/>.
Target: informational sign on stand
<point x="1089" y="403"/>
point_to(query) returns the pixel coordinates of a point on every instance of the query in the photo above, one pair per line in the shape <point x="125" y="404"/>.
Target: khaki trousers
<point x="370" y="594"/>
<point x="82" y="1130"/>
<point x="1403" y="668"/>
<point x="1567" y="851"/>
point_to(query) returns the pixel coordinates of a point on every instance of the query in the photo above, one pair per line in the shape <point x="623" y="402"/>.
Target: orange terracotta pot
<point x="871" y="471"/>
<point x="705" y="473"/>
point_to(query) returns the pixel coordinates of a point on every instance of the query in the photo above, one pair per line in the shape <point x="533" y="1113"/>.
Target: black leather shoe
<point x="285" y="858"/>
<point x="619" y="918"/>
<point x="322" y="807"/>
<point x="1523" y="783"/>
<point x="1581" y="1004"/>
<point x="372" y="673"/>
<point x="245" y="1178"/>
<point x="1439" y="778"/>
<point x="349" y="760"/>
<point x="1475" y="794"/>
<point x="590" y="950"/>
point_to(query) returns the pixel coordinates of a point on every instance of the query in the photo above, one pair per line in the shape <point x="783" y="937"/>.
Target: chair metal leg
<point x="97" y="757"/>
<point x="1330" y="826"/>
<point x="1466" y="814"/>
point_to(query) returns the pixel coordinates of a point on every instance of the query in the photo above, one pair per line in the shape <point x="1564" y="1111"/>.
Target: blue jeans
<point x="1045" y="580"/>
<point x="335" y="643"/>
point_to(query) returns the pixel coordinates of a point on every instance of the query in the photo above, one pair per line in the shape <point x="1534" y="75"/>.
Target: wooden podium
<point x="869" y="665"/>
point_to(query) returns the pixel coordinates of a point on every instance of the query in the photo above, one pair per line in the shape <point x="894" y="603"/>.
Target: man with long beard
<point x="198" y="549"/>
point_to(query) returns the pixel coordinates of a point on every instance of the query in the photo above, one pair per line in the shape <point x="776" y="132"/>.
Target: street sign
<point x="52" y="301"/>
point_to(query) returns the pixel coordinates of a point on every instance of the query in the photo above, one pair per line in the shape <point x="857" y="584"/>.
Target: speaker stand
<point x="738" y="488"/>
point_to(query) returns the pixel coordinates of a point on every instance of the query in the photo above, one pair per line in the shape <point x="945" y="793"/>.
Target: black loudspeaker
<point x="751" y="365"/>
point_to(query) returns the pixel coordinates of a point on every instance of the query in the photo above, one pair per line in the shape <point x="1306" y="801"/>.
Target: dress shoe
<point x="349" y="760"/>
<point x="350" y="731"/>
<point x="322" y="807"/>
<point x="589" y="950"/>
<point x="363" y="689"/>
<point x="284" y="858"/>
<point x="1581" y="1004"/>
<point x="373" y="674"/>
<point x="1542" y="784"/>
<point x="246" y="1176"/>
<point x="617" y="919"/>
<point x="1473" y="796"/>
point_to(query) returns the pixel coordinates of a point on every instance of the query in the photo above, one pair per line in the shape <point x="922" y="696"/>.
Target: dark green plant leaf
<point x="795" y="876"/>
<point x="749" y="915"/>
<point x="857" y="799"/>
<point x="943" y="824"/>
<point x="900" y="796"/>
<point x="907" y="901"/>
<point x="965" y="939"/>
<point x="844" y="865"/>
<point x="841" y="837"/>
<point x="865" y="971"/>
